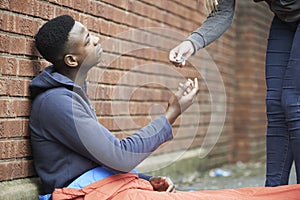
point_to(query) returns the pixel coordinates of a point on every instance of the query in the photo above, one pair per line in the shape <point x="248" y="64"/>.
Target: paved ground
<point x="241" y="175"/>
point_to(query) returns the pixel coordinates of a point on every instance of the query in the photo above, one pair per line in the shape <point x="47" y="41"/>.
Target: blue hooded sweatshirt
<point x="68" y="140"/>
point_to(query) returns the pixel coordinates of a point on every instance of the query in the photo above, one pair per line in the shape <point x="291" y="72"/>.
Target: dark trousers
<point x="283" y="102"/>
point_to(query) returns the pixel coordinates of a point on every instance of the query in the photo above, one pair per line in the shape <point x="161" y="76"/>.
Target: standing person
<point x="282" y="78"/>
<point x="70" y="147"/>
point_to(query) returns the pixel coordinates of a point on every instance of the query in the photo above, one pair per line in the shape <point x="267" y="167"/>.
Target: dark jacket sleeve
<point x="214" y="26"/>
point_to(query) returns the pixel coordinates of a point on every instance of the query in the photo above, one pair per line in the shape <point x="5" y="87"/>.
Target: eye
<point x="88" y="38"/>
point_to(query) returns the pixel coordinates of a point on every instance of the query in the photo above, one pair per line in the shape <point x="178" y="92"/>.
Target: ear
<point x="71" y="60"/>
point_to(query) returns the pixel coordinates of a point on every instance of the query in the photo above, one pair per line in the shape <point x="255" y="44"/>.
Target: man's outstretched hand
<point x="182" y="99"/>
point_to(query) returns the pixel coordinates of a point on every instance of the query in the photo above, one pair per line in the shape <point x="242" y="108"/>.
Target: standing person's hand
<point x="162" y="184"/>
<point x="181" y="53"/>
<point x="182" y="99"/>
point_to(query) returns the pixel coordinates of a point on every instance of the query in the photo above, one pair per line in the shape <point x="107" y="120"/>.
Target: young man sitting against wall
<point x="75" y="156"/>
<point x="67" y="139"/>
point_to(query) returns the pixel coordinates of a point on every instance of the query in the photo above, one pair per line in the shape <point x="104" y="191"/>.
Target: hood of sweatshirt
<point x="49" y="79"/>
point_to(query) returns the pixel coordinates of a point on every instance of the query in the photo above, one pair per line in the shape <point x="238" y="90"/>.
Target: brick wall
<point x="249" y="112"/>
<point x="133" y="82"/>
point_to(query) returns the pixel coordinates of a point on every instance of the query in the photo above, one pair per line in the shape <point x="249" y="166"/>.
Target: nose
<point x="95" y="40"/>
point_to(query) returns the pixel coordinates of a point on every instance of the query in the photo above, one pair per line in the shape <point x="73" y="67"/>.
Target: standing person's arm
<point x="212" y="28"/>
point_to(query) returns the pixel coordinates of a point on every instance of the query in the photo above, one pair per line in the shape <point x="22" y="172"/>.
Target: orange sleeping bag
<point x="130" y="187"/>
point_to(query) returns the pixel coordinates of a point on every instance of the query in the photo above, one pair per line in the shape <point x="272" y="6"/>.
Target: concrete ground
<point x="240" y="175"/>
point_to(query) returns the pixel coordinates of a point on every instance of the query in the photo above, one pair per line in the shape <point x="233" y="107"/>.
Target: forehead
<point x="79" y="26"/>
<point x="78" y="30"/>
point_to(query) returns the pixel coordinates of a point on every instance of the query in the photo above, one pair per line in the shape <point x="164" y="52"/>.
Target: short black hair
<point x="53" y="35"/>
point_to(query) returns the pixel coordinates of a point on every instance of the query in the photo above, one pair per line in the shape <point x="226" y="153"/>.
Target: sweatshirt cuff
<point x="197" y="41"/>
<point x="144" y="176"/>
<point x="166" y="128"/>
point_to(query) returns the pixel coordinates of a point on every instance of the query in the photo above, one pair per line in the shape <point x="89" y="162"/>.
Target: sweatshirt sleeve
<point x="144" y="176"/>
<point x="72" y="123"/>
<point x="214" y="26"/>
<point x="122" y="155"/>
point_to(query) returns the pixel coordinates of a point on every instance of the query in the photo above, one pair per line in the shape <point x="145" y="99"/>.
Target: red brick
<point x="7" y="108"/>
<point x="60" y="2"/>
<point x="25" y="7"/>
<point x="30" y="67"/>
<point x="16" y="169"/>
<point x="44" y="10"/>
<point x="14" y="108"/>
<point x="3" y="85"/>
<point x="23" y="107"/>
<point x="17" y="45"/>
<point x="128" y="108"/>
<point x="3" y="21"/>
<point x="13" y="128"/>
<point x="30" y="48"/>
<point x="14" y="149"/>
<point x="18" y="87"/>
<point x="4" y="4"/>
<point x="4" y="43"/>
<point x="8" y="65"/>
<point x="26" y="26"/>
<point x="93" y="24"/>
<point x="24" y="148"/>
<point x="80" y="5"/>
<point x="118" y="123"/>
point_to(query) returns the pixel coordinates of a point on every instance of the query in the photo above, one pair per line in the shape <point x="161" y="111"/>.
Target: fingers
<point x="172" y="55"/>
<point x="171" y="186"/>
<point x="191" y="95"/>
<point x="182" y="89"/>
<point x="188" y="88"/>
<point x="177" y="55"/>
<point x="176" y="58"/>
<point x="181" y="53"/>
<point x="195" y="89"/>
<point x="168" y="184"/>
<point x="162" y="184"/>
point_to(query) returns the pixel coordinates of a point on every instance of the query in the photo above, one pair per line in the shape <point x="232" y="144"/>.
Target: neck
<point x="79" y="80"/>
<point x="74" y="74"/>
